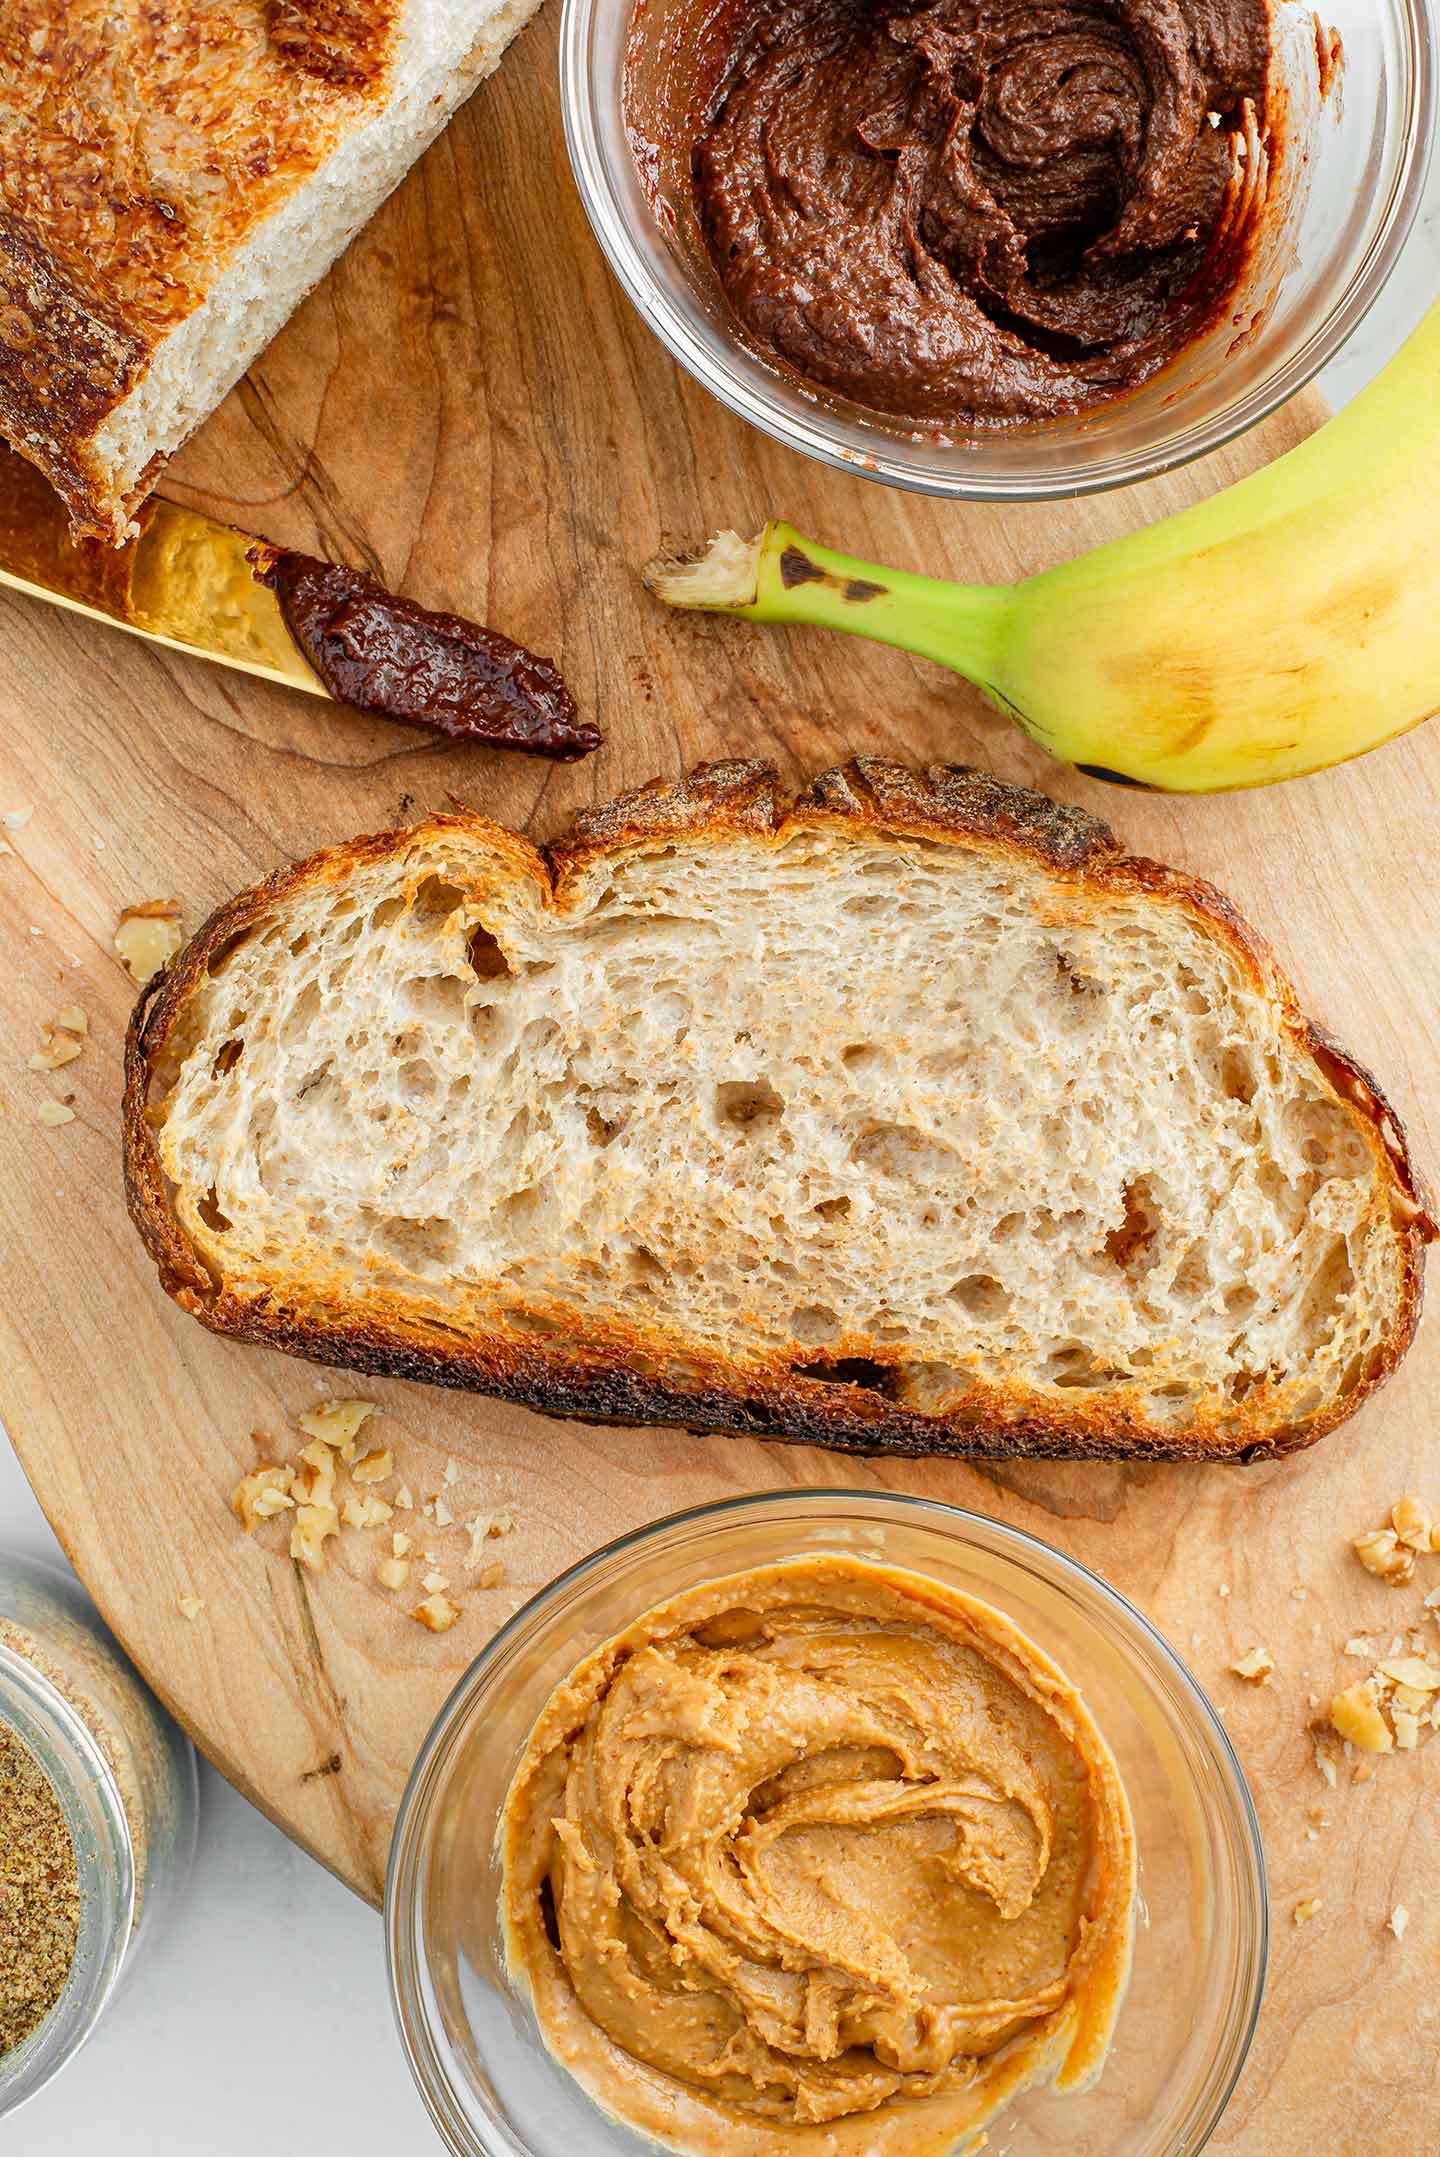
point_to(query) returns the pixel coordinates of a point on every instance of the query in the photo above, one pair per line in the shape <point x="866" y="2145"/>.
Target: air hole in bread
<point x="1133" y="1240"/>
<point x="436" y="997"/>
<point x="1077" y="1366"/>
<point x="644" y="1267"/>
<point x="893" y="1149"/>
<point x="420" y="1246"/>
<point x="602" y="1129"/>
<point x="861" y="1056"/>
<point x="1237" y="1076"/>
<point x="1072" y="980"/>
<point x="208" y="1209"/>
<point x="530" y="1322"/>
<point x="226" y="1057"/>
<point x="813" y="1323"/>
<point x="228" y="948"/>
<point x="436" y="899"/>
<point x="749" y="1105"/>
<point x="388" y="911"/>
<point x="312" y="1080"/>
<point x="982" y="1296"/>
<point x="832" y="1209"/>
<point x="860" y="1371"/>
<point x="487" y="961"/>
<point x="415" y="1080"/>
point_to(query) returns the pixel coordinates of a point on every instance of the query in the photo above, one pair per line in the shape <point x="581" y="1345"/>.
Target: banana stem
<point x="780" y="576"/>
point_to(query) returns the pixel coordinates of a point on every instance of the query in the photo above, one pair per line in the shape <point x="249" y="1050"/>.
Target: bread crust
<point x="615" y="1373"/>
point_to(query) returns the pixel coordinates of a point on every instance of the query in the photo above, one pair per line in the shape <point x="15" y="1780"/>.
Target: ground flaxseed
<point x="39" y="1894"/>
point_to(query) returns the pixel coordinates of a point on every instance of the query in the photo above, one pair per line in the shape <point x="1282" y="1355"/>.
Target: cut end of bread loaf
<point x="217" y="160"/>
<point x="913" y="1117"/>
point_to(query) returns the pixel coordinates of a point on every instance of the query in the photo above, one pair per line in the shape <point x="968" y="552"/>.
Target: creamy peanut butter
<point x="823" y="1857"/>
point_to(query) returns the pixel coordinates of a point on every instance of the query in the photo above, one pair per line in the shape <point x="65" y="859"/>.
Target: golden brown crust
<point x="617" y="1372"/>
<point x="139" y="148"/>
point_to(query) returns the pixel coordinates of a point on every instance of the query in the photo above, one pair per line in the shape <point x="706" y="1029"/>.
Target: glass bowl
<point x="1354" y="171"/>
<point x="492" y="2088"/>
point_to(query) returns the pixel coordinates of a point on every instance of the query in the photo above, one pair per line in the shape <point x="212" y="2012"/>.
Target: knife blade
<point x="184" y="582"/>
<point x="203" y="587"/>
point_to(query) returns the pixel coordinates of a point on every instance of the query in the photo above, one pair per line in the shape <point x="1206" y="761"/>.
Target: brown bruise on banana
<point x="821" y="1858"/>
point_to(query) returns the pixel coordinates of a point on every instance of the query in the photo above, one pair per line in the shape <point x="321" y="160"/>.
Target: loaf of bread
<point x="173" y="180"/>
<point x="916" y="1116"/>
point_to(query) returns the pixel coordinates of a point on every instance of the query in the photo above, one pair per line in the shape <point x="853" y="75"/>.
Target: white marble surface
<point x="262" y="2021"/>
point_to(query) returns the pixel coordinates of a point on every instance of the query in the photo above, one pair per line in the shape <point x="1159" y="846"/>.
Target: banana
<point x="1286" y="624"/>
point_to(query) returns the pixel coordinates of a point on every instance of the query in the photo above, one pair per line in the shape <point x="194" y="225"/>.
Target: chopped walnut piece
<point x="437" y="1613"/>
<point x="481" y="1529"/>
<point x="17" y="819"/>
<point x="442" y="1515"/>
<point x="1363" y="1772"/>
<point x="1407" y="1697"/>
<point x="63" y="1038"/>
<point x="403" y="1499"/>
<point x="1399" y="1920"/>
<point x="1310" y="1907"/>
<point x="452" y="1473"/>
<point x="190" y="1606"/>
<point x="1410" y="1518"/>
<point x="1324" y="1765"/>
<point x="493" y="1576"/>
<point x="314" y="1524"/>
<point x="1356" y="1717"/>
<point x="400" y="1544"/>
<point x="72" y="1020"/>
<point x="1382" y="1553"/>
<point x="1407" y="1729"/>
<point x="148" y="936"/>
<point x="433" y="1582"/>
<point x="314" y="1482"/>
<point x="392" y="1573"/>
<point x="1413" y="1671"/>
<point x="365" y="1511"/>
<point x="335" y="1422"/>
<point x="260" y="1496"/>
<point x="1255" y="1667"/>
<point x="53" y="1113"/>
<point x="1358" y="1646"/>
<point x="374" y="1467"/>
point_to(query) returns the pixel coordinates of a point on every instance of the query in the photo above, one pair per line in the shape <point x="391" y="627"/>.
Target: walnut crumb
<point x="1358" y="1720"/>
<point x="1363" y="1772"/>
<point x="392" y="1573"/>
<point x="1410" y="1519"/>
<point x="493" y="1576"/>
<point x="434" y="1581"/>
<point x="190" y="1606"/>
<point x="442" y="1515"/>
<point x="314" y="1525"/>
<point x="480" y="1531"/>
<point x="1382" y="1553"/>
<point x="260" y="1496"/>
<point x="1309" y="1907"/>
<point x="148" y="936"/>
<point x="400" y="1544"/>
<point x="437" y="1613"/>
<point x="1399" y="1920"/>
<point x="403" y="1499"/>
<point x="452" y="1473"/>
<point x="53" y="1113"/>
<point x="1254" y="1668"/>
<point x="374" y="1467"/>
<point x="334" y="1423"/>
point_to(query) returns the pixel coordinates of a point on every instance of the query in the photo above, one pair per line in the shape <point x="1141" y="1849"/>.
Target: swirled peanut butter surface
<point x="822" y="1857"/>
<point x="979" y="210"/>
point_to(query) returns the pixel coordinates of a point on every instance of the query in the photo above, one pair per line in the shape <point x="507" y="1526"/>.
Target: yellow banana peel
<point x="1287" y="624"/>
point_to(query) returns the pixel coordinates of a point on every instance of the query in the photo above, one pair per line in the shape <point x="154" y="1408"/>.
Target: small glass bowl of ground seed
<point x="97" y="1822"/>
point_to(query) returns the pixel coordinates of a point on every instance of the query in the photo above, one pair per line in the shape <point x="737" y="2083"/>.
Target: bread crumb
<point x="190" y="1606"/>
<point x="1255" y="1667"/>
<point x="1399" y="1920"/>
<point x="334" y="1423"/>
<point x="1308" y="1908"/>
<point x="437" y="1613"/>
<point x="148" y="937"/>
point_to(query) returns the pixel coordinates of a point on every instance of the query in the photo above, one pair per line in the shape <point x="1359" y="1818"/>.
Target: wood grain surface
<point x="469" y="407"/>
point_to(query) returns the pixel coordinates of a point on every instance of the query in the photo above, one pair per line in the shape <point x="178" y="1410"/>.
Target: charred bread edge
<point x="604" y="1380"/>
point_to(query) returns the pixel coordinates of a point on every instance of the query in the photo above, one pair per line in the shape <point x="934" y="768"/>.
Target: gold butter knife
<point x="199" y="586"/>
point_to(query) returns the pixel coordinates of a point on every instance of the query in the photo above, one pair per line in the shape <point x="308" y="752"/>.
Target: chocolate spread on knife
<point x="988" y="210"/>
<point x="382" y="653"/>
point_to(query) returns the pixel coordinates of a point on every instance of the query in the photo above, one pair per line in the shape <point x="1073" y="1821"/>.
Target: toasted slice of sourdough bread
<point x="173" y="179"/>
<point x="914" y="1117"/>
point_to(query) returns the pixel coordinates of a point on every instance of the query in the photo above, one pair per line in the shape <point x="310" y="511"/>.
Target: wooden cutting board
<point x="470" y="408"/>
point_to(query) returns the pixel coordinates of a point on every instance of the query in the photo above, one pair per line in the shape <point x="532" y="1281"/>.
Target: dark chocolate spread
<point x="988" y="210"/>
<point x="382" y="653"/>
